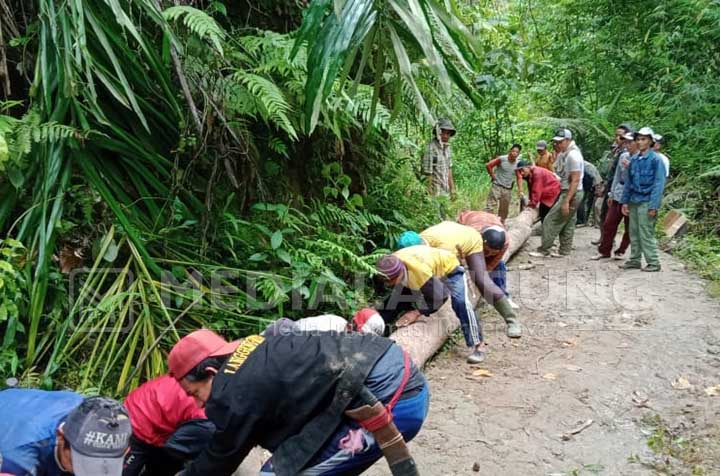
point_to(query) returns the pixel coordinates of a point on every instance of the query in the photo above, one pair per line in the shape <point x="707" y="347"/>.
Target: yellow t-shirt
<point x="424" y="262"/>
<point x="454" y="237"/>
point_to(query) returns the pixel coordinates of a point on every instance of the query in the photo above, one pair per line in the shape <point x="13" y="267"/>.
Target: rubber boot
<point x="503" y="307"/>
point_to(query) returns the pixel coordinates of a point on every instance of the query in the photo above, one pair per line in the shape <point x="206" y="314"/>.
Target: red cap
<point x="196" y="347"/>
<point x="368" y="321"/>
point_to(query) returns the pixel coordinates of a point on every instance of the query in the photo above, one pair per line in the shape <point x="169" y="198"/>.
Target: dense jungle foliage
<point x="166" y="165"/>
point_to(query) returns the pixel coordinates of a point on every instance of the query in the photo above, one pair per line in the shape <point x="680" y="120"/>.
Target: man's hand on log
<point x="408" y="318"/>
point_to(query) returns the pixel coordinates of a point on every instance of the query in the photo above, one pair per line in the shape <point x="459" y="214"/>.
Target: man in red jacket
<point x="544" y="186"/>
<point x="168" y="428"/>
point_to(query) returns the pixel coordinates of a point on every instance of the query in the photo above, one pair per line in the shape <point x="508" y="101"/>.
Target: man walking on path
<point x="469" y="245"/>
<point x="545" y="159"/>
<point x="431" y="275"/>
<point x="614" y="214"/>
<point x="503" y="172"/>
<point x="560" y="220"/>
<point x="437" y="161"/>
<point x="641" y="200"/>
<point x="543" y="186"/>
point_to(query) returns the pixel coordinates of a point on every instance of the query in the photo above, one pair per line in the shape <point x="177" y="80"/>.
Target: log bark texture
<point x="424" y="338"/>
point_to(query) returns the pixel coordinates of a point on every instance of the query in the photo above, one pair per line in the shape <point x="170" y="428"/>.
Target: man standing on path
<point x="560" y="220"/>
<point x="641" y="200"/>
<point x="659" y="143"/>
<point x="503" y="172"/>
<point x="591" y="181"/>
<point x="616" y="149"/>
<point x="545" y="158"/>
<point x="543" y="185"/>
<point x="614" y="214"/>
<point x="437" y="161"/>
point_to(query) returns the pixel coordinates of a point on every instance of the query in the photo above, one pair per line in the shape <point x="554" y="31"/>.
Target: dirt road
<point x="623" y="359"/>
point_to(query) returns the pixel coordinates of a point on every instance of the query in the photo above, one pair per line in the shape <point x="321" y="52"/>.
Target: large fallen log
<point x="424" y="338"/>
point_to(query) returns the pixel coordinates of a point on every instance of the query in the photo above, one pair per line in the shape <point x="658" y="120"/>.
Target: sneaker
<point x="539" y="254"/>
<point x="652" y="268"/>
<point x="630" y="265"/>
<point x="599" y="257"/>
<point x="476" y="357"/>
<point x="555" y="254"/>
<point x="595" y="242"/>
<point x="618" y="256"/>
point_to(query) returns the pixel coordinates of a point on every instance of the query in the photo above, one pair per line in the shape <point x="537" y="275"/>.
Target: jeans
<point x="408" y="415"/>
<point x="499" y="277"/>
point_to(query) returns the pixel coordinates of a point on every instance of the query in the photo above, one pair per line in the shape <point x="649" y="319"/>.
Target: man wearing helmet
<point x="437" y="161"/>
<point x="470" y="244"/>
<point x="641" y="199"/>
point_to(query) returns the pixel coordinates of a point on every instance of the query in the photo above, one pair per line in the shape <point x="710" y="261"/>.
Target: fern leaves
<point x="273" y="106"/>
<point x="199" y="22"/>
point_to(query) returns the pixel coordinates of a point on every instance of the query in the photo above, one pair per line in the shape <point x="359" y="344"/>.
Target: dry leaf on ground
<point x="482" y="373"/>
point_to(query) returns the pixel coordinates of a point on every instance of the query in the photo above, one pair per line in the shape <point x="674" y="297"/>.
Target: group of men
<point x="566" y="189"/>
<point x="323" y="395"/>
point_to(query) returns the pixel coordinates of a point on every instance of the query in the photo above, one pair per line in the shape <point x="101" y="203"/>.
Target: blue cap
<point x="409" y="238"/>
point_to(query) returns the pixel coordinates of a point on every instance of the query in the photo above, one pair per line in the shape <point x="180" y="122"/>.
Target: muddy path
<point x="612" y="377"/>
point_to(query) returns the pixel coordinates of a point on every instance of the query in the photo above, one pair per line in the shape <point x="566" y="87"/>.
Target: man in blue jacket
<point x="641" y="200"/>
<point x="53" y="433"/>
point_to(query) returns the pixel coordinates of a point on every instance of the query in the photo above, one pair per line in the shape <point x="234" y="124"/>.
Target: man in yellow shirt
<point x="431" y="275"/>
<point x="468" y="244"/>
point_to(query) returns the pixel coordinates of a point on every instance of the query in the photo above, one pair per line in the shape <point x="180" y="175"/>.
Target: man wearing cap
<point x="641" y="199"/>
<point x="659" y="143"/>
<point x="545" y="159"/>
<point x="52" y="433"/>
<point x="167" y="428"/>
<point x="468" y="244"/>
<point x="322" y="404"/>
<point x="616" y="149"/>
<point x="437" y="161"/>
<point x="560" y="220"/>
<point x="614" y="214"/>
<point x="503" y="172"/>
<point x="430" y="275"/>
<point x="544" y="186"/>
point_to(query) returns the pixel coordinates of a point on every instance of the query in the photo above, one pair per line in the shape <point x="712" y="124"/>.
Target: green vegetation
<point x="166" y="165"/>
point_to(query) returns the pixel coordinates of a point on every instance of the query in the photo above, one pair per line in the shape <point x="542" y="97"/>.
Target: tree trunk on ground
<point x="425" y="337"/>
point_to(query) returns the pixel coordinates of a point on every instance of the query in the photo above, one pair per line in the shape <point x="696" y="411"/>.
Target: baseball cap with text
<point x="98" y="433"/>
<point x="196" y="347"/>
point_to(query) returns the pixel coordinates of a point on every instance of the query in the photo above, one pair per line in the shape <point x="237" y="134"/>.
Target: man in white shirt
<point x="560" y="220"/>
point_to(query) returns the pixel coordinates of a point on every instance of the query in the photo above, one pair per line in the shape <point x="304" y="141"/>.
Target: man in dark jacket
<point x="299" y="396"/>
